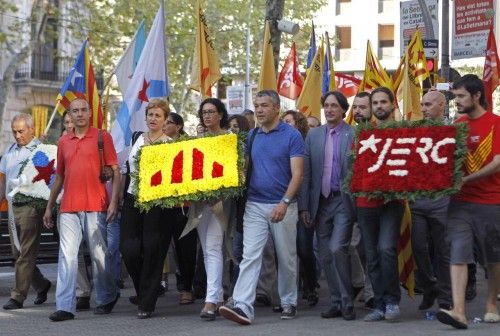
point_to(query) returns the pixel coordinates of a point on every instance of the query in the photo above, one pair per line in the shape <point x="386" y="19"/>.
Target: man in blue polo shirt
<point x="276" y="173"/>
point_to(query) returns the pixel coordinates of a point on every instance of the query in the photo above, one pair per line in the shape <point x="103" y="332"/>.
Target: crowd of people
<point x="295" y="221"/>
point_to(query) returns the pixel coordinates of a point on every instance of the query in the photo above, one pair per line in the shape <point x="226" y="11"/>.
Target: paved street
<point x="172" y="319"/>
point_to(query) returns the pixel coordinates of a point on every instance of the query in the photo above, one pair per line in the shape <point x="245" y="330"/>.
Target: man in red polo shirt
<point x="473" y="213"/>
<point x="84" y="209"/>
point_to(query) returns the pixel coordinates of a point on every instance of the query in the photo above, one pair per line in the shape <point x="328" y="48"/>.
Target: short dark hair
<point x="221" y="108"/>
<point x="473" y="84"/>
<point x="243" y="124"/>
<point x="269" y="93"/>
<point x="385" y="90"/>
<point x="344" y="104"/>
<point x="362" y="94"/>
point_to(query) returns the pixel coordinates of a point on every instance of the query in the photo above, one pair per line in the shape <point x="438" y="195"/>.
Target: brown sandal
<point x="186" y="298"/>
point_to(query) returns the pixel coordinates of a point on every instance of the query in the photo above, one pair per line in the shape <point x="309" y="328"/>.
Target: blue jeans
<point x="111" y="234"/>
<point x="72" y="228"/>
<point x="380" y="230"/>
<point x="256" y="226"/>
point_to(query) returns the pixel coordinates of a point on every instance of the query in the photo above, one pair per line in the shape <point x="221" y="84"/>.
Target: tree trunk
<point x="274" y="12"/>
<point x="39" y="19"/>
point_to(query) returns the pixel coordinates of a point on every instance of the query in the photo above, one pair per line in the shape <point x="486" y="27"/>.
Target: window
<point x="385" y="6"/>
<point x="343" y="7"/>
<point x="344" y="35"/>
<point x="385" y="41"/>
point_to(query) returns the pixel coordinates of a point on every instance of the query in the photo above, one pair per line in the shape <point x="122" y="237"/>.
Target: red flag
<point x="491" y="71"/>
<point x="347" y="84"/>
<point x="290" y="80"/>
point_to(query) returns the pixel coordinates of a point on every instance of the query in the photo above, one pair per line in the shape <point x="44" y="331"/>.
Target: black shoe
<point x="144" y="314"/>
<point x="61" y="315"/>
<point x="234" y="314"/>
<point x="263" y="300"/>
<point x="289" y="313"/>
<point x="13" y="304"/>
<point x="312" y="298"/>
<point x="428" y="300"/>
<point x="349" y="314"/>
<point x="277" y="309"/>
<point x="370" y="303"/>
<point x="82" y="303"/>
<point x="331" y="313"/>
<point x="134" y="300"/>
<point x="470" y="291"/>
<point x="42" y="296"/>
<point x="106" y="308"/>
<point x="163" y="288"/>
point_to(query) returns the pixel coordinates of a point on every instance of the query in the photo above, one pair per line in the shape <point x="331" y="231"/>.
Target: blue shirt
<point x="271" y="153"/>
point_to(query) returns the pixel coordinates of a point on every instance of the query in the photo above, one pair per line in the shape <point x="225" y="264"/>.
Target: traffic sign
<point x="431" y="48"/>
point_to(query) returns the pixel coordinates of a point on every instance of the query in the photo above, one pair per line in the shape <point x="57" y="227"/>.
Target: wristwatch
<point x="285" y="200"/>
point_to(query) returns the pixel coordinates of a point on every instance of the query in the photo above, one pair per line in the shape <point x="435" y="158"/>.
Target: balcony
<point x="43" y="67"/>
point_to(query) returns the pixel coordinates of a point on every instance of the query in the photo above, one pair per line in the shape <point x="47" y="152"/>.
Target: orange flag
<point x="491" y="72"/>
<point x="206" y="71"/>
<point x="267" y="78"/>
<point x="290" y="80"/>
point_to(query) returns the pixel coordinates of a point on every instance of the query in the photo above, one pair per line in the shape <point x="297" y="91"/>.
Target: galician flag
<point x="149" y="81"/>
<point x="127" y="64"/>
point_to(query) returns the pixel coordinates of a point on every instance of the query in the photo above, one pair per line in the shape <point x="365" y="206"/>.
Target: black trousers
<point x="185" y="248"/>
<point x="144" y="240"/>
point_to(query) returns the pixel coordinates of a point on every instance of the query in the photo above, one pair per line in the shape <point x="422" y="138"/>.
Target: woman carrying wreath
<point x="211" y="217"/>
<point x="145" y="236"/>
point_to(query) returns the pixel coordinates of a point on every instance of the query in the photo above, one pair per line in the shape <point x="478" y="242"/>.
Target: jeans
<point x="72" y="228"/>
<point x="111" y="234"/>
<point x="380" y="230"/>
<point x="256" y="226"/>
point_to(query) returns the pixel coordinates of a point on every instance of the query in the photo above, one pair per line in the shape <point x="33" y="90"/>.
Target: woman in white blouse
<point x="145" y="236"/>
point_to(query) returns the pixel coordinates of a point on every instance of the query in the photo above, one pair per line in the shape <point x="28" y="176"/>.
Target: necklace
<point x="153" y="141"/>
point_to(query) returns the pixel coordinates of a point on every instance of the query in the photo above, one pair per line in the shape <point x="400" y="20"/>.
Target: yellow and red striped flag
<point x="81" y="84"/>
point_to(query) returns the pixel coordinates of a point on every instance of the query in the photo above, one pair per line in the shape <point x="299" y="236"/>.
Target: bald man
<point x="433" y="105"/>
<point x="429" y="226"/>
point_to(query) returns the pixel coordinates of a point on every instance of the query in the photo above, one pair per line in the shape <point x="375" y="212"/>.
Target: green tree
<point x="110" y="24"/>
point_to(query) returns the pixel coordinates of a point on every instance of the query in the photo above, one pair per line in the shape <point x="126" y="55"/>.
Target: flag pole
<point x="51" y="118"/>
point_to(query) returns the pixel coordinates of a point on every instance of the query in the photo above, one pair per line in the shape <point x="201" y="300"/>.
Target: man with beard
<point x="379" y="223"/>
<point x="473" y="213"/>
<point x="429" y="227"/>
<point x="361" y="107"/>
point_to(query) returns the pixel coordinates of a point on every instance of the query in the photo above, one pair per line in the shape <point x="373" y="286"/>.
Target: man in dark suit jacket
<point x="323" y="203"/>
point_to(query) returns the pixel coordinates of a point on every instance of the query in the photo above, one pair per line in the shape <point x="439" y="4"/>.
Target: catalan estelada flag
<point x="81" y="84"/>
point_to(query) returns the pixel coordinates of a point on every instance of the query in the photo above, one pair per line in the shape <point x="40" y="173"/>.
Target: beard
<point x="466" y="109"/>
<point x="382" y="115"/>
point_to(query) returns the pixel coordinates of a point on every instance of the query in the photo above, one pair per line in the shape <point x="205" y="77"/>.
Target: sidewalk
<point x="171" y="318"/>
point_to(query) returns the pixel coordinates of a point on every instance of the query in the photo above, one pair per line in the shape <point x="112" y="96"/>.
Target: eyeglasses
<point x="207" y="112"/>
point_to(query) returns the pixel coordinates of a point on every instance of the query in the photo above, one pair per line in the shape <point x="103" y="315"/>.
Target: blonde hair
<point x="160" y="103"/>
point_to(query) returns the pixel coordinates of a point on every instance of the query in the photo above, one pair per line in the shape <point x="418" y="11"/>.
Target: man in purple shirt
<point x="323" y="204"/>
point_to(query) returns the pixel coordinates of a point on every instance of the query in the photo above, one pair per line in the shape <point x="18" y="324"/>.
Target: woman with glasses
<point x="211" y="217"/>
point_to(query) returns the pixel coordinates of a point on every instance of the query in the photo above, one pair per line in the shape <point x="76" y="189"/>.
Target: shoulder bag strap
<point x="250" y="161"/>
